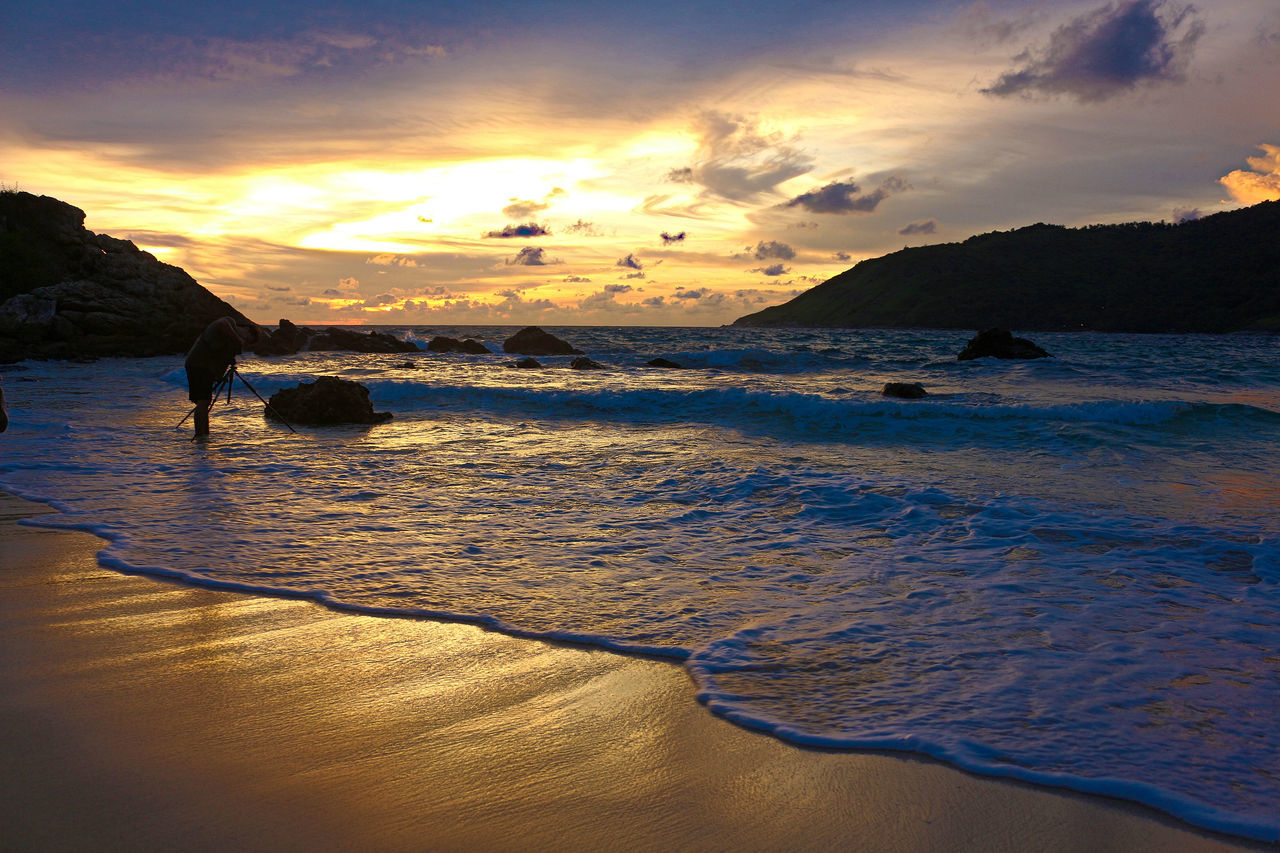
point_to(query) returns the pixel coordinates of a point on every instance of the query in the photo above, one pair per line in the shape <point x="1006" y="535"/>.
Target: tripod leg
<point x="265" y="403"/>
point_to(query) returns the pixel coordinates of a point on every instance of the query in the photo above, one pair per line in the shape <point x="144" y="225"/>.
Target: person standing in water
<point x="208" y="360"/>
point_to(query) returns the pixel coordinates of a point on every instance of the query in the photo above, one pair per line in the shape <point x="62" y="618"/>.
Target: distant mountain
<point x="1216" y="274"/>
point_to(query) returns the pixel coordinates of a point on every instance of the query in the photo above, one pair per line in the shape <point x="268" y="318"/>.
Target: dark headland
<point x="1212" y="275"/>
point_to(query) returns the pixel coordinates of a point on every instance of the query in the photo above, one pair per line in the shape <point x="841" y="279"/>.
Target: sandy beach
<point x="138" y="714"/>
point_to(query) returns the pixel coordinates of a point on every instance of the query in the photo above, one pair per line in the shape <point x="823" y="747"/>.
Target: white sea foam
<point x="1062" y="571"/>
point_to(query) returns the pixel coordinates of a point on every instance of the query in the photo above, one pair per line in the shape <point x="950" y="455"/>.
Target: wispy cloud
<point x="737" y="160"/>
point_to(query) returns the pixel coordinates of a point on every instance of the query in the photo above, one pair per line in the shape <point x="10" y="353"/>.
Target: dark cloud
<point x="618" y="288"/>
<point x="1182" y="214"/>
<point x="630" y="261"/>
<point x="576" y="279"/>
<point x="846" y="197"/>
<point x="530" y="256"/>
<point x="775" y="269"/>
<point x="634" y="275"/>
<point x="700" y="293"/>
<point x="843" y="256"/>
<point x="668" y="239"/>
<point x="1106" y="52"/>
<point x="530" y="229"/>
<point x="773" y="249"/>
<point x="929" y="226"/>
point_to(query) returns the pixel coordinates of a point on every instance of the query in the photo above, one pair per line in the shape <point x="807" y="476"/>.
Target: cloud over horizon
<point x="738" y="160"/>
<point x="1261" y="182"/>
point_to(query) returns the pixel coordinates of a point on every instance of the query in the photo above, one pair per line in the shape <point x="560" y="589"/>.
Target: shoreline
<point x="139" y="712"/>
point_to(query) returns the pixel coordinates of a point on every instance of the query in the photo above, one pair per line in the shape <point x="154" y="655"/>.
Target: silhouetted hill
<point x="1216" y="274"/>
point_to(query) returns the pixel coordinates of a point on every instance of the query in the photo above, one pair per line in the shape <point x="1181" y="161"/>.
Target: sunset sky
<point x="663" y="163"/>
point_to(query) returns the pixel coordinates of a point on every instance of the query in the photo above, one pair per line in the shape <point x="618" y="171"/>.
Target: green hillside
<point x="1216" y="274"/>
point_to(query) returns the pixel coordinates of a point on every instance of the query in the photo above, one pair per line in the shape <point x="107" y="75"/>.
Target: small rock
<point x="904" y="390"/>
<point x="1000" y="343"/>
<point x="584" y="363"/>
<point x="662" y="362"/>
<point x="528" y="363"/>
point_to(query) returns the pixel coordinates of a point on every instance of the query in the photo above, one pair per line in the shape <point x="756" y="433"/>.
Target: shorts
<point x="200" y="382"/>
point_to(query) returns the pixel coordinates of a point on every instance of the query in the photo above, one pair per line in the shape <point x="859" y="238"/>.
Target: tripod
<point x="227" y="380"/>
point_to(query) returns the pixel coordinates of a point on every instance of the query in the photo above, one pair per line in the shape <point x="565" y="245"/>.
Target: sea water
<point x="1062" y="570"/>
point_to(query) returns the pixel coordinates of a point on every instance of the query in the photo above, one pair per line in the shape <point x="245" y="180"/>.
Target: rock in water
<point x="584" y="363"/>
<point x="904" y="390"/>
<point x="534" y="341"/>
<point x="333" y="338"/>
<point x="328" y="400"/>
<point x="470" y="346"/>
<point x="1000" y="343"/>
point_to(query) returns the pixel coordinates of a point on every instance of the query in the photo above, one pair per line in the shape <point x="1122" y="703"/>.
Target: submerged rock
<point x="328" y="400"/>
<point x="662" y="362"/>
<point x="999" y="343"/>
<point x="534" y="341"/>
<point x="904" y="390"/>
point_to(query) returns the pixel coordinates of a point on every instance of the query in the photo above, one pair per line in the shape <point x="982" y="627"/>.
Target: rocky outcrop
<point x="66" y="292"/>
<point x="440" y="343"/>
<point x="335" y="338"/>
<point x="326" y="401"/>
<point x="534" y="341"/>
<point x="289" y="338"/>
<point x="999" y="343"/>
<point x="584" y="363"/>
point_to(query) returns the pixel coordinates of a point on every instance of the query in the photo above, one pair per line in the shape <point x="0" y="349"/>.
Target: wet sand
<point x="139" y="714"/>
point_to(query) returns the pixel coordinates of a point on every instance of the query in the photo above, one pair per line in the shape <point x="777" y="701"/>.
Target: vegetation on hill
<point x="1216" y="274"/>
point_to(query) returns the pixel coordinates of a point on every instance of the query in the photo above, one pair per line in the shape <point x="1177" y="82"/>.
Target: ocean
<point x="1063" y="571"/>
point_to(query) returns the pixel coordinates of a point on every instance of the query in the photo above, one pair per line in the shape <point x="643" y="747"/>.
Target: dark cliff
<point x="1216" y="274"/>
<point x="66" y="292"/>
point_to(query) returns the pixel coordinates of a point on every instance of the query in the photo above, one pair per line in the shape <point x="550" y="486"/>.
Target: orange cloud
<point x="1261" y="184"/>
